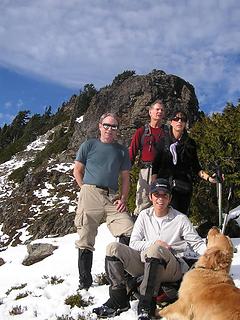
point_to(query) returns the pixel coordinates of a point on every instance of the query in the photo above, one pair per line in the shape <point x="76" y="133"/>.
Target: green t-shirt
<point x="103" y="162"/>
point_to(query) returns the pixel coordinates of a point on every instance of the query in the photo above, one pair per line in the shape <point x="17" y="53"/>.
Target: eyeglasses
<point x="182" y="119"/>
<point x="160" y="195"/>
<point x="107" y="126"/>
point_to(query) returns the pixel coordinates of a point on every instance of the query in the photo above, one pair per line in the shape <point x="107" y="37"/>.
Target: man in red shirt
<point x="144" y="141"/>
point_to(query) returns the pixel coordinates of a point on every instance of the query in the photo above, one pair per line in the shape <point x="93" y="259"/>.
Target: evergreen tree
<point x="18" y="124"/>
<point x="218" y="139"/>
<point x="123" y="76"/>
<point x="85" y="98"/>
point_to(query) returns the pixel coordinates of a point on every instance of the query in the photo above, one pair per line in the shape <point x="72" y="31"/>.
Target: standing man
<point x="144" y="141"/>
<point x="99" y="163"/>
<point x="161" y="239"/>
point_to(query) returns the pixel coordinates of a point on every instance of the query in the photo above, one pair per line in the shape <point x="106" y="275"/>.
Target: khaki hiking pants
<point x="95" y="207"/>
<point x="142" y="199"/>
<point x="136" y="263"/>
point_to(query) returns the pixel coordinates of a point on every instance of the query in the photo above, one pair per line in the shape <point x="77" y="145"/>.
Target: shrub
<point x="17" y="310"/>
<point x="55" y="280"/>
<point x="78" y="301"/>
<point x="21" y="286"/>
<point x="19" y="174"/>
<point x="101" y="279"/>
<point x="123" y="76"/>
<point x="65" y="317"/>
<point x="133" y="186"/>
<point x="22" y="295"/>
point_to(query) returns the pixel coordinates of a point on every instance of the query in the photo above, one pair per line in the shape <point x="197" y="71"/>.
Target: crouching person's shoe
<point x="144" y="315"/>
<point x="146" y="308"/>
<point x="116" y="304"/>
<point x="108" y="312"/>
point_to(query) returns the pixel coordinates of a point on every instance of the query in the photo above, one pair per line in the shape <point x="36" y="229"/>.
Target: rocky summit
<point x="43" y="203"/>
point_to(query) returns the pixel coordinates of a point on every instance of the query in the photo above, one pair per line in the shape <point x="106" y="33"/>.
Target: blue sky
<point x="49" y="49"/>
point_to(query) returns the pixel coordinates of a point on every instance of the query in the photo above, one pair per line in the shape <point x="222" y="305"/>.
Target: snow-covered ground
<point x="28" y="289"/>
<point x="45" y="301"/>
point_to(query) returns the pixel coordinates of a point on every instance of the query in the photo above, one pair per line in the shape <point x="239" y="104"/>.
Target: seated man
<point x="160" y="238"/>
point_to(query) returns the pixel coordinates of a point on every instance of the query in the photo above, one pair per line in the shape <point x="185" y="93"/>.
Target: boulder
<point x="38" y="252"/>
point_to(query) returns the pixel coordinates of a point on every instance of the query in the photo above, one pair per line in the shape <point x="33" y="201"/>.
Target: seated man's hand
<point x="120" y="204"/>
<point x="163" y="244"/>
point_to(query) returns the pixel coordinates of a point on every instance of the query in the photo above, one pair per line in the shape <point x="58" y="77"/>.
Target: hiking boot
<point x="144" y="315"/>
<point x="107" y="312"/>
<point x="146" y="308"/>
<point x="85" y="257"/>
<point x="82" y="286"/>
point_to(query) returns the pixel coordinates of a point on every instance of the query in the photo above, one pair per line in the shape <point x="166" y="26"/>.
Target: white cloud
<point x="20" y="103"/>
<point x="78" y="42"/>
<point x="8" y="104"/>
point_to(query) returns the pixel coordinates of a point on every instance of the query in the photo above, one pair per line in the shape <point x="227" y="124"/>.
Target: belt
<point x="145" y="165"/>
<point x="103" y="188"/>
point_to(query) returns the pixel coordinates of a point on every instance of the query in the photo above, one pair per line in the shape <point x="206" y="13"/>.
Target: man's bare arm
<point x="121" y="203"/>
<point x="78" y="172"/>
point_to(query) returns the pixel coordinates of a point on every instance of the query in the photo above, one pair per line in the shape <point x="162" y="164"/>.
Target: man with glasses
<point x="98" y="165"/>
<point x="162" y="240"/>
<point x="144" y="143"/>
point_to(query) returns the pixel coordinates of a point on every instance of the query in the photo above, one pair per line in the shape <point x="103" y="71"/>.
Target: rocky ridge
<point x="45" y="202"/>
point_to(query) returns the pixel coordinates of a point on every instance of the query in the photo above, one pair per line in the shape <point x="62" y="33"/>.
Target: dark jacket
<point x="187" y="164"/>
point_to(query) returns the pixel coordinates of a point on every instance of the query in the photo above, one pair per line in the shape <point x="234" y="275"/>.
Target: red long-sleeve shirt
<point x="149" y="143"/>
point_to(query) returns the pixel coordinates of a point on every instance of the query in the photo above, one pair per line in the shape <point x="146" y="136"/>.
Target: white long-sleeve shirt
<point x="175" y="229"/>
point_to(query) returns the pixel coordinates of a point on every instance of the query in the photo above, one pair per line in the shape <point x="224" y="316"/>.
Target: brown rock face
<point x="129" y="100"/>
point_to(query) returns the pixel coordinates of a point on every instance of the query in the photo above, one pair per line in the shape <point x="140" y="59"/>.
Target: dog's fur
<point x="207" y="292"/>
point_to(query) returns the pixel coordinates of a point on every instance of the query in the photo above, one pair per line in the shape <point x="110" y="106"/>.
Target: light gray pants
<point x="137" y="264"/>
<point x="142" y="199"/>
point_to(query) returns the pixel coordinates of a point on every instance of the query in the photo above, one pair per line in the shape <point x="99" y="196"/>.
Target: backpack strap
<point x="146" y="132"/>
<point x="166" y="129"/>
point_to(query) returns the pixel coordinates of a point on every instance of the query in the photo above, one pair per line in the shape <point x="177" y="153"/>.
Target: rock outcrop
<point x="129" y="100"/>
<point x="45" y="202"/>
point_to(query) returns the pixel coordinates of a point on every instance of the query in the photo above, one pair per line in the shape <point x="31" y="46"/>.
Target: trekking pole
<point x="229" y="201"/>
<point x="148" y="174"/>
<point x="219" y="194"/>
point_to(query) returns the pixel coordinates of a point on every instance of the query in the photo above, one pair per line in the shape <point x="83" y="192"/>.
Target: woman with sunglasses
<point x="177" y="161"/>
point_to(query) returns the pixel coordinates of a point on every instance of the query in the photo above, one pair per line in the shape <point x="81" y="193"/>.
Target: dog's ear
<point x="221" y="260"/>
<point x="215" y="259"/>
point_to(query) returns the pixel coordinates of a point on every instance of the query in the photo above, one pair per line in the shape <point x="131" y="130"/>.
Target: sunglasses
<point x="182" y="119"/>
<point x="107" y="126"/>
<point x="160" y="195"/>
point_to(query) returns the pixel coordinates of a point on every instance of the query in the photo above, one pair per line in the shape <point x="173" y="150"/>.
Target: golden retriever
<point x="207" y="292"/>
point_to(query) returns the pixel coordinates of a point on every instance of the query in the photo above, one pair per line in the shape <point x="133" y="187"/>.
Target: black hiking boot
<point x="85" y="257"/>
<point x="116" y="304"/>
<point x="107" y="312"/>
<point x="144" y="315"/>
<point x="146" y="309"/>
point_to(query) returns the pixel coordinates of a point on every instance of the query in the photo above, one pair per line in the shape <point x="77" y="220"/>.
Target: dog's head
<point x="219" y="253"/>
<point x="215" y="239"/>
<point x="215" y="259"/>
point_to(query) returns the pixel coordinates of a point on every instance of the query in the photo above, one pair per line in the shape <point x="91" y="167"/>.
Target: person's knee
<point x="113" y="249"/>
<point x="156" y="251"/>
